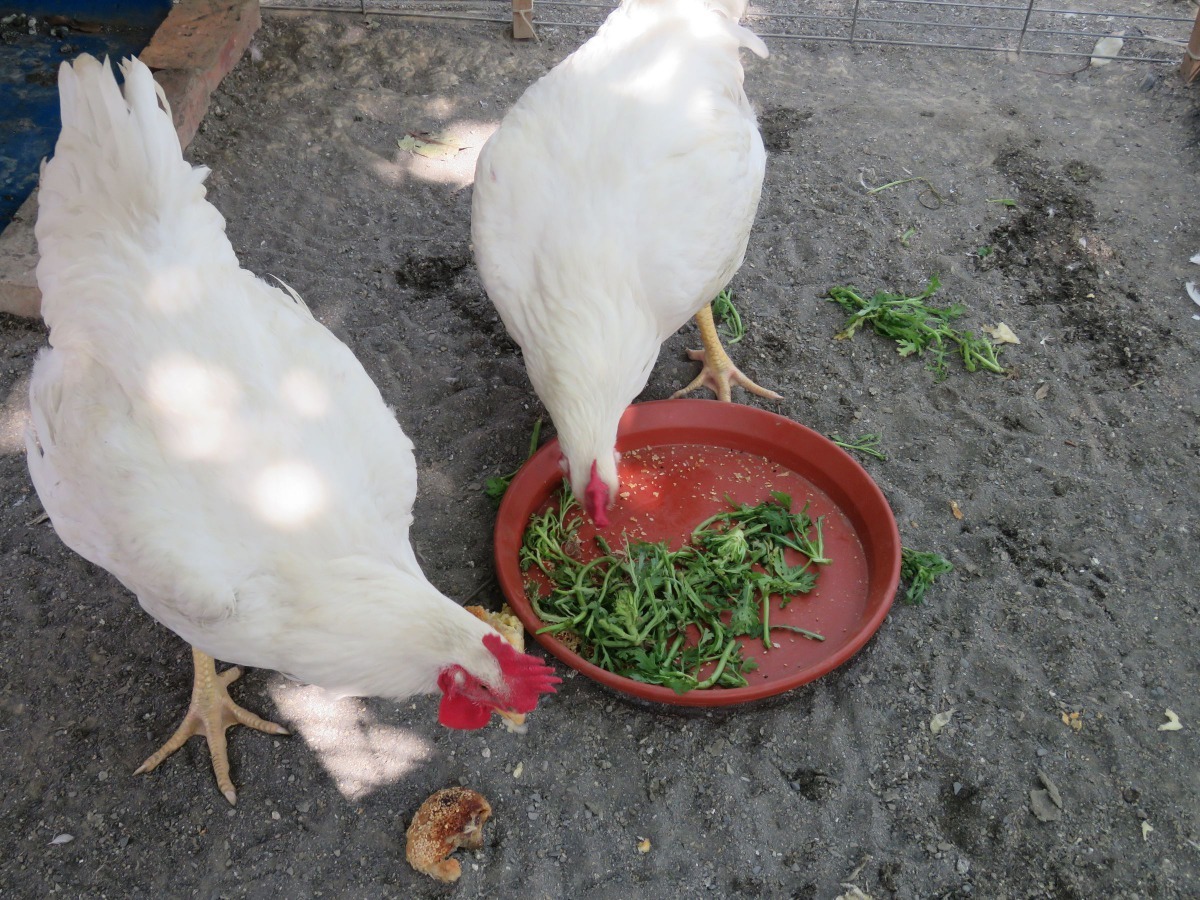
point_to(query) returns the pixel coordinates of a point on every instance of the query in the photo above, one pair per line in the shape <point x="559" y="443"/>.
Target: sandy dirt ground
<point x="1062" y="637"/>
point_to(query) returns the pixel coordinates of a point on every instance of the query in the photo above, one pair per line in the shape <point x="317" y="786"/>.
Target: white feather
<point x="198" y="434"/>
<point x="614" y="201"/>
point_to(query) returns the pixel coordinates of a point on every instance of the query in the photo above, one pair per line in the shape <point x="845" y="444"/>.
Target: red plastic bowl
<point x="728" y="449"/>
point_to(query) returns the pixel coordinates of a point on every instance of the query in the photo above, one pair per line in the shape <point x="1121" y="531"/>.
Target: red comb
<point x="527" y="677"/>
<point x="595" y="499"/>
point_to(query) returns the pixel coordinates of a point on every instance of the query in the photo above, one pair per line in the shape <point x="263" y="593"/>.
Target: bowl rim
<point x="689" y="421"/>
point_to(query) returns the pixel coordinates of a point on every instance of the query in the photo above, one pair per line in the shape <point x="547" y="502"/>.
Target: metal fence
<point x="1150" y="32"/>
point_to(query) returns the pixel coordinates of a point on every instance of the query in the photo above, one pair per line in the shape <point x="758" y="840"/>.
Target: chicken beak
<point x="512" y="721"/>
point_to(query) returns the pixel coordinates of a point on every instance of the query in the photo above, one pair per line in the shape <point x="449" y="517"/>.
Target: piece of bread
<point x="513" y="631"/>
<point x="449" y="819"/>
<point x="505" y="622"/>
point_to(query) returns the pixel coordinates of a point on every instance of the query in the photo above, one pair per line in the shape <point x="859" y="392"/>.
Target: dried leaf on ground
<point x="955" y="511"/>
<point x="940" y="721"/>
<point x="431" y="146"/>
<point x="1043" y="807"/>
<point x="1000" y="334"/>
<point x="1051" y="789"/>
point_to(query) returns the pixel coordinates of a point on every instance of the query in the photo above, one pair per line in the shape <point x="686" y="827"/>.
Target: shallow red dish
<point x="680" y="458"/>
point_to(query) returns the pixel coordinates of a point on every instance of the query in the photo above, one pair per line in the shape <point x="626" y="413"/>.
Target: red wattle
<point x="458" y="712"/>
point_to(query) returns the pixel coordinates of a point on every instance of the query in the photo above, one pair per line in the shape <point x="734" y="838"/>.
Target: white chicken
<point x="199" y="435"/>
<point x="613" y="203"/>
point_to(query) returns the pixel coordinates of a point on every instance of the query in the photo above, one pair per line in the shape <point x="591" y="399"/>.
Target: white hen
<point x="199" y="435"/>
<point x="612" y="204"/>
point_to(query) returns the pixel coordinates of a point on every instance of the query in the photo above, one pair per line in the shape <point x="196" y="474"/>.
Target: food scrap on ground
<point x="920" y="570"/>
<point x="917" y="327"/>
<point x="940" y="721"/>
<point x="1172" y="723"/>
<point x="867" y="444"/>
<point x="451" y="818"/>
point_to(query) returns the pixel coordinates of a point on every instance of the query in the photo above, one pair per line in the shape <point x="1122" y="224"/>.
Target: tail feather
<point x="117" y="201"/>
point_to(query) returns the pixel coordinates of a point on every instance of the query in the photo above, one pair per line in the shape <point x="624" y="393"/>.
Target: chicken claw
<point x="719" y="372"/>
<point x="210" y="713"/>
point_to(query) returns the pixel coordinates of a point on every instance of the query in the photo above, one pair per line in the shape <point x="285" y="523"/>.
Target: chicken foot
<point x="210" y="713"/>
<point x="719" y="372"/>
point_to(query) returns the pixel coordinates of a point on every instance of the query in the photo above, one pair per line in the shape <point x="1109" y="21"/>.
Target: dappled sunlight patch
<point x="654" y="81"/>
<point x="171" y="289"/>
<point x="360" y="754"/>
<point x="195" y="401"/>
<point x="305" y="393"/>
<point x="391" y="172"/>
<point x="441" y="107"/>
<point x="456" y="169"/>
<point x="288" y="494"/>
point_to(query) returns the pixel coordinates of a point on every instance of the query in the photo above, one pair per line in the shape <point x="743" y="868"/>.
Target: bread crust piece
<point x="505" y="622"/>
<point x="449" y="819"/>
<point x="513" y="631"/>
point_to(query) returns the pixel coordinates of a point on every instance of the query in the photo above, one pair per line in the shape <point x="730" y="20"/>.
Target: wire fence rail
<point x="1023" y="26"/>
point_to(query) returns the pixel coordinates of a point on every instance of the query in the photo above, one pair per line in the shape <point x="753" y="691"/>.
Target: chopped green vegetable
<point x="731" y="327"/>
<point x="929" y="188"/>
<point x="634" y="609"/>
<point x="804" y="631"/>
<point x="918" y="327"/>
<point x="868" y="444"/>
<point x="920" y="570"/>
<point x="496" y="486"/>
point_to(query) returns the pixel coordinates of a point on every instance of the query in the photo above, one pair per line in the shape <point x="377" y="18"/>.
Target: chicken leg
<point x="719" y="372"/>
<point x="210" y="713"/>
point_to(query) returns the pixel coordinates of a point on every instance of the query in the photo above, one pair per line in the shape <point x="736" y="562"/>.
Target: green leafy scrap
<point x="918" y="327"/>
<point x="920" y="570"/>
<point x="867" y="444"/>
<point x="633" y="609"/>
<point x="496" y="486"/>
<point x="731" y="327"/>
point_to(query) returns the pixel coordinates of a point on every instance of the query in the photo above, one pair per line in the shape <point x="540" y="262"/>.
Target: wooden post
<point x="523" y="20"/>
<point x="1191" y="56"/>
